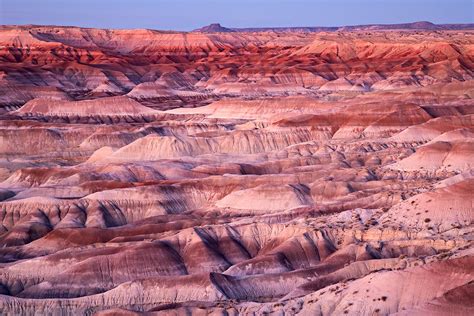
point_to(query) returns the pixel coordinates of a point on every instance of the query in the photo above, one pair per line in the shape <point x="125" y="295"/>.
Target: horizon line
<point x="238" y="28"/>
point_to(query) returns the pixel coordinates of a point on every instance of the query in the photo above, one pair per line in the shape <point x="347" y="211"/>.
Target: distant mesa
<point x="418" y="25"/>
<point x="422" y="25"/>
<point x="214" y="28"/>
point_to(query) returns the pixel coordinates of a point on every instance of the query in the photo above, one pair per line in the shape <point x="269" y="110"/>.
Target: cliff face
<point x="236" y="172"/>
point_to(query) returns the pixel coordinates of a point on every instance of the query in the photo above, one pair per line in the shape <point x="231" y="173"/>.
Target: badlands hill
<point x="237" y="172"/>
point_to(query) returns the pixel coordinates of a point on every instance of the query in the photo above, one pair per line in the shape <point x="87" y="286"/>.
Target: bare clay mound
<point x="104" y="106"/>
<point x="237" y="172"/>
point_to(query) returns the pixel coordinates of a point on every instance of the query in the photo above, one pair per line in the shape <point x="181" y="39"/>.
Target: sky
<point x="185" y="15"/>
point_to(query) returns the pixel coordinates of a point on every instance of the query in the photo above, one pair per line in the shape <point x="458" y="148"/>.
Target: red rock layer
<point x="236" y="173"/>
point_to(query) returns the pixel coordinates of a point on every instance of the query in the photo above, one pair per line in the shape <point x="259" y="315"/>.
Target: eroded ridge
<point x="226" y="173"/>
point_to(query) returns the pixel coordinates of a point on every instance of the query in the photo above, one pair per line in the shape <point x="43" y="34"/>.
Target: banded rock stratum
<point x="237" y="172"/>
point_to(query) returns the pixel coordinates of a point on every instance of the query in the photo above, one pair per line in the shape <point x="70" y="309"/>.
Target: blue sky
<point x="189" y="14"/>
